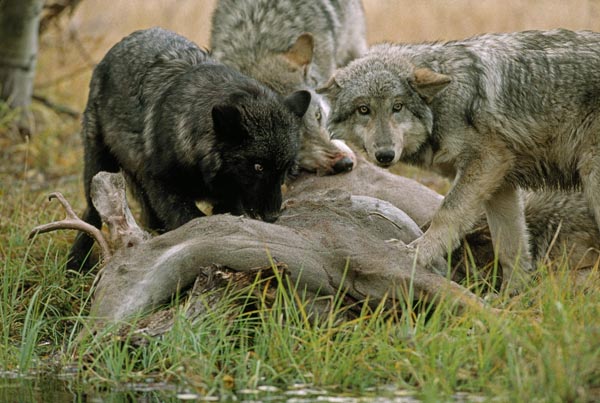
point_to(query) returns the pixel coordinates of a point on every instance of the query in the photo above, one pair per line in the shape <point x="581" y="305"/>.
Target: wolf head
<point x="318" y="153"/>
<point x="258" y="144"/>
<point x="288" y="71"/>
<point x="382" y="105"/>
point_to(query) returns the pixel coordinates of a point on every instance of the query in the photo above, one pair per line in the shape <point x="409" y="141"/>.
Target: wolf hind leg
<point x="506" y="219"/>
<point x="150" y="219"/>
<point x="590" y="179"/>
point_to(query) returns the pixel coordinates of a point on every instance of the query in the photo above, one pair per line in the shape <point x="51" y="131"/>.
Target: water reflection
<point x="68" y="389"/>
<point x="54" y="389"/>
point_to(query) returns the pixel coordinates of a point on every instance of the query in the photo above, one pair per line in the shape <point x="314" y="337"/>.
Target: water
<point x="56" y="389"/>
<point x="68" y="389"/>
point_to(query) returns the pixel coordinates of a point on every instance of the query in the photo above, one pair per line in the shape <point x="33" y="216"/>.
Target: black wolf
<point x="183" y="127"/>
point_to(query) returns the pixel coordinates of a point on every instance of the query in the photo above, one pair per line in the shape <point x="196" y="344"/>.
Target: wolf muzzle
<point x="385" y="156"/>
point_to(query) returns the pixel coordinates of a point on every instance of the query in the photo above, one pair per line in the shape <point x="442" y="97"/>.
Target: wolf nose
<point x="385" y="156"/>
<point x="343" y="165"/>
<point x="270" y="217"/>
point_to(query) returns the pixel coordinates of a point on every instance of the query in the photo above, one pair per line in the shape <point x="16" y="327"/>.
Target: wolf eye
<point x="363" y="110"/>
<point x="258" y="168"/>
<point x="397" y="107"/>
<point x="318" y="115"/>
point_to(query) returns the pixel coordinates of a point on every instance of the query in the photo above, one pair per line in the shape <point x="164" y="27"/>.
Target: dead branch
<point x="58" y="108"/>
<point x="52" y="11"/>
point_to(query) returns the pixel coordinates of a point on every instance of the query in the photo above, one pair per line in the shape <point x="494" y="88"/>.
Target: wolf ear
<point x="330" y="88"/>
<point x="227" y="123"/>
<point x="428" y="83"/>
<point x="298" y="102"/>
<point x="300" y="53"/>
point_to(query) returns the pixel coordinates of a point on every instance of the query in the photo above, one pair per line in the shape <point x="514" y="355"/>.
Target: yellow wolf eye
<point x="318" y="115"/>
<point x="364" y="110"/>
<point x="258" y="167"/>
<point x="397" y="107"/>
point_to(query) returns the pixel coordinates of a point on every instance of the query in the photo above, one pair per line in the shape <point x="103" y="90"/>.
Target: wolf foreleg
<point x="479" y="178"/>
<point x="171" y="207"/>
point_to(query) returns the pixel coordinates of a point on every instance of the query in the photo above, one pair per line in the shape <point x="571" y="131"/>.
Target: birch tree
<point x="19" y="25"/>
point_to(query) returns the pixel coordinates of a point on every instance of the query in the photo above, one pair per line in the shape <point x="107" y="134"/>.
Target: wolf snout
<point x="346" y="159"/>
<point x="271" y="216"/>
<point x="385" y="157"/>
<point x="344" y="164"/>
<point x="267" y="216"/>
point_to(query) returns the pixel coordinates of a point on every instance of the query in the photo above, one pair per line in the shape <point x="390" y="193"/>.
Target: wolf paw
<point x="422" y="259"/>
<point x="515" y="285"/>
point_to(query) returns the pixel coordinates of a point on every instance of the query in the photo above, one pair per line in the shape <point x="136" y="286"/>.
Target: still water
<point x="66" y="389"/>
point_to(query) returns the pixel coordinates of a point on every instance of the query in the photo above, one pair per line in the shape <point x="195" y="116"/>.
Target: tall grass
<point x="544" y="347"/>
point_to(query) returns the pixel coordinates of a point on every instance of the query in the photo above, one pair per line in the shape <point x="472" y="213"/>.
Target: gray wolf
<point x="184" y="127"/>
<point x="561" y="224"/>
<point x="496" y="112"/>
<point x="291" y="45"/>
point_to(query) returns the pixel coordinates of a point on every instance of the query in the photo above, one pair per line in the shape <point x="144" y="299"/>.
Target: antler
<point x="72" y="221"/>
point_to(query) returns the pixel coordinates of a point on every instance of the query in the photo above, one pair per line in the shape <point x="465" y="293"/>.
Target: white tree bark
<point x="19" y="24"/>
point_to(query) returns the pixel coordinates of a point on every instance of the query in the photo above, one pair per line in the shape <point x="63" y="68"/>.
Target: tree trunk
<point x="19" y="23"/>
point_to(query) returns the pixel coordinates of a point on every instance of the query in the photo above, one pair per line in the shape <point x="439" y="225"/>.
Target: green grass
<point x="545" y="346"/>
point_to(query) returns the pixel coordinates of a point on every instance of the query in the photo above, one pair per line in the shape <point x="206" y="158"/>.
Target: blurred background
<point x="73" y="43"/>
<point x="69" y="49"/>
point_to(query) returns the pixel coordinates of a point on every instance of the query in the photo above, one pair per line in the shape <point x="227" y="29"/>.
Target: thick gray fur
<point x="183" y="127"/>
<point x="562" y="220"/>
<point x="497" y="112"/>
<point x="267" y="40"/>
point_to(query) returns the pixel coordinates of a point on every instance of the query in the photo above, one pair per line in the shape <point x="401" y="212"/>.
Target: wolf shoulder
<point x="150" y="48"/>
<point x="138" y="68"/>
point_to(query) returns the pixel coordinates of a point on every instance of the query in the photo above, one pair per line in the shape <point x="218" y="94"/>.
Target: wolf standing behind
<point x="183" y="127"/>
<point x="290" y="45"/>
<point x="496" y="112"/>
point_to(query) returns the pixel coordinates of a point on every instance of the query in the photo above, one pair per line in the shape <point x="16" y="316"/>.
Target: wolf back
<point x="497" y="111"/>
<point x="247" y="34"/>
<point x="184" y="127"/>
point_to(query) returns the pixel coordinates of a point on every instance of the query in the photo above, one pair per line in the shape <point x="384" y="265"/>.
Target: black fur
<point x="183" y="127"/>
